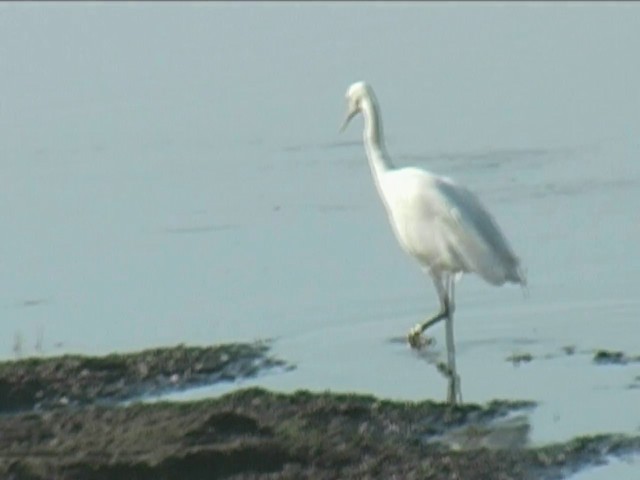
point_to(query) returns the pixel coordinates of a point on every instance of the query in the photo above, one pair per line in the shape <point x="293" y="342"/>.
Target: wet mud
<point x="599" y="356"/>
<point x="72" y="380"/>
<point x="255" y="433"/>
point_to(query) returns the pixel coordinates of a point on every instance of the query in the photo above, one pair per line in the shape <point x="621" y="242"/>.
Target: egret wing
<point x="472" y="234"/>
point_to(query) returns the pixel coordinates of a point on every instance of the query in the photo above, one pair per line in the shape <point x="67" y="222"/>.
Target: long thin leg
<point x="415" y="333"/>
<point x="454" y="393"/>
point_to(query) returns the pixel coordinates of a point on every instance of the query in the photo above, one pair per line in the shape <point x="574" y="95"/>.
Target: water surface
<point x="173" y="173"/>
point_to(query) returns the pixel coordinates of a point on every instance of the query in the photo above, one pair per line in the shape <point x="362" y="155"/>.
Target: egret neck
<point x="374" y="139"/>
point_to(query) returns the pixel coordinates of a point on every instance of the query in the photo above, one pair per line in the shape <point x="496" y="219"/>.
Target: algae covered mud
<point x="76" y="417"/>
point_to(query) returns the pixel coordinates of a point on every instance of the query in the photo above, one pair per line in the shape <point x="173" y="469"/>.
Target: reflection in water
<point x="501" y="433"/>
<point x="33" y="302"/>
<point x="483" y="158"/>
<point x="333" y="208"/>
<point x="321" y="146"/>
<point x="200" y="229"/>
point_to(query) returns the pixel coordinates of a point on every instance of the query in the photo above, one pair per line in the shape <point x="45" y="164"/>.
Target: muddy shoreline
<point x="62" y="418"/>
<point x="44" y="383"/>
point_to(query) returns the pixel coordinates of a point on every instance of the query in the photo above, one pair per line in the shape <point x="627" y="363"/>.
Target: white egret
<point x="440" y="223"/>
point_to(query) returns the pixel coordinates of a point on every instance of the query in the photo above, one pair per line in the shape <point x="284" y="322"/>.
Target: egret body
<point x="440" y="223"/>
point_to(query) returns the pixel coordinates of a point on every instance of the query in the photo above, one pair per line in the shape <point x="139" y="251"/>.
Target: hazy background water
<point x="174" y="173"/>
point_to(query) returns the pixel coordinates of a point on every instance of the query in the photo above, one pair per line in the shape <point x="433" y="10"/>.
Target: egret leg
<point x="415" y="333"/>
<point x="454" y="394"/>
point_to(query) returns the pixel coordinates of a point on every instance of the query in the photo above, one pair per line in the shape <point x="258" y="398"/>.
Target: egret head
<point x="355" y="95"/>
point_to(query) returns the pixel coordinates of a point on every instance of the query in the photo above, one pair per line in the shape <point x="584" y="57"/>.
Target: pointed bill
<point x="350" y="115"/>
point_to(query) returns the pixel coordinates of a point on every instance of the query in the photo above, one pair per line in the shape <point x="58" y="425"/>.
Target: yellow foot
<point x="416" y="340"/>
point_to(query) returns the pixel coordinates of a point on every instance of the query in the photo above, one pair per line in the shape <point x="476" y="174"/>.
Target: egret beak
<point x="350" y="115"/>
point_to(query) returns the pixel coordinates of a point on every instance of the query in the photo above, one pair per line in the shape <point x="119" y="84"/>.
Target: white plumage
<point x="440" y="223"/>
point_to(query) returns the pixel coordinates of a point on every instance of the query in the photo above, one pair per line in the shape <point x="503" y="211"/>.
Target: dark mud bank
<point x="44" y="383"/>
<point x="254" y="433"/>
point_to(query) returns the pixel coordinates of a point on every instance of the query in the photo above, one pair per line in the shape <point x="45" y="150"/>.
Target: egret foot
<point x="416" y="340"/>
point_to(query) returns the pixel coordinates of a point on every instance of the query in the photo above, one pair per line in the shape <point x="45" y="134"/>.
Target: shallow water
<point x="174" y="174"/>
